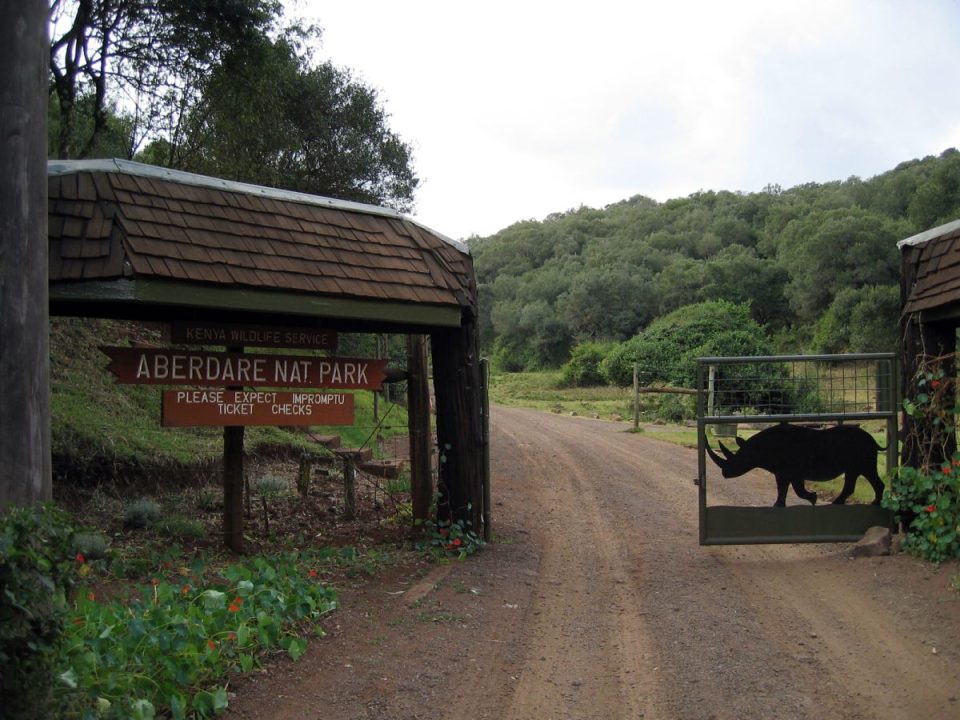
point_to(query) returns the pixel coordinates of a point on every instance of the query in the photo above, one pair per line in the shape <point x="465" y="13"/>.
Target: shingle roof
<point x="936" y="256"/>
<point x="116" y="219"/>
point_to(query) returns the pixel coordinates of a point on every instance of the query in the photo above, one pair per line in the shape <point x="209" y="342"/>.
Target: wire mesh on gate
<point x="796" y="387"/>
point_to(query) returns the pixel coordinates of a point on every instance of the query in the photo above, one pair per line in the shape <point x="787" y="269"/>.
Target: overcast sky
<point x="519" y="109"/>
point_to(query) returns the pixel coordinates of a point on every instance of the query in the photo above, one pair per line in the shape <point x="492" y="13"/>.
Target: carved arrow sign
<point x="155" y="366"/>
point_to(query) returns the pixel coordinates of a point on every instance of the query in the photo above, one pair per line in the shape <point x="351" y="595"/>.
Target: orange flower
<point x="91" y="597"/>
<point x="238" y="601"/>
<point x="232" y="636"/>
<point x="234" y="608"/>
<point x="78" y="621"/>
<point x="185" y="589"/>
<point x="211" y="644"/>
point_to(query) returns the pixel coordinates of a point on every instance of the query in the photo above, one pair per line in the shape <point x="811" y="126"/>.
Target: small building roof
<point x="126" y="231"/>
<point x="934" y="256"/>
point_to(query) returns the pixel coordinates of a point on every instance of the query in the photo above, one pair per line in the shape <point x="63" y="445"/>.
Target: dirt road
<point x="595" y="601"/>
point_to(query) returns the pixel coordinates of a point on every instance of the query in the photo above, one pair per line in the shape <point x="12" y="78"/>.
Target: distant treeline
<point x="817" y="265"/>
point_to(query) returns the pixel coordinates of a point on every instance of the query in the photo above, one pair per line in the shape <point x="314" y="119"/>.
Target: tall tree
<point x="267" y="116"/>
<point x="151" y="53"/>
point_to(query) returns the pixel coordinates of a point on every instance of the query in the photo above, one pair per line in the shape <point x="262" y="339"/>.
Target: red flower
<point x="312" y="573"/>
<point x="935" y="384"/>
<point x="234" y="608"/>
<point x="80" y="559"/>
<point x="456" y="542"/>
<point x="231" y="636"/>
<point x="931" y="508"/>
<point x="946" y="470"/>
<point x="211" y="644"/>
<point x="185" y="589"/>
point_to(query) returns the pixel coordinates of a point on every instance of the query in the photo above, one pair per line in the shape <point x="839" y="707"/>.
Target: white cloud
<point x="518" y="109"/>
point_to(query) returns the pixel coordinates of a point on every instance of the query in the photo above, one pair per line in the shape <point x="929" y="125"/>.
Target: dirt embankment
<point x="595" y="601"/>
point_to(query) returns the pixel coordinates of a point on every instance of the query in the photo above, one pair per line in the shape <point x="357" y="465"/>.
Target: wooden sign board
<point x="219" y="407"/>
<point x="156" y="366"/>
<point x="204" y="333"/>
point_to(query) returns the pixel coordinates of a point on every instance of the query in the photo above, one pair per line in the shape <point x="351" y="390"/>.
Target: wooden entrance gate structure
<point x="137" y="242"/>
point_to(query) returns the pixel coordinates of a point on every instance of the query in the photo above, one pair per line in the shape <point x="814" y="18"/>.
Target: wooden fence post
<point x="418" y="413"/>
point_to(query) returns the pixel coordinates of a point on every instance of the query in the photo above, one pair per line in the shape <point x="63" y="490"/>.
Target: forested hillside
<point x="817" y="264"/>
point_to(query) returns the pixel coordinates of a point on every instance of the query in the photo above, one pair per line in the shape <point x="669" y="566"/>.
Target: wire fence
<point x="796" y="387"/>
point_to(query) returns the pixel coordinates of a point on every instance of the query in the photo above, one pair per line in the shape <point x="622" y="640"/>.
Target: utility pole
<point x="25" y="474"/>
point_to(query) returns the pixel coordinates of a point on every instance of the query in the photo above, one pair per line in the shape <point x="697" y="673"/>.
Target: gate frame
<point x="747" y="525"/>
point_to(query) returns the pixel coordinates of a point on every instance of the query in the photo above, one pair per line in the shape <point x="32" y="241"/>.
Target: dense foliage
<point x="222" y="87"/>
<point x="817" y="265"/>
<point x="36" y="574"/>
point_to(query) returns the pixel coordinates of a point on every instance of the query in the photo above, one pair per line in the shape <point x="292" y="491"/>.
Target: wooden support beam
<point x="233" y="483"/>
<point x="418" y="413"/>
<point x="457" y="386"/>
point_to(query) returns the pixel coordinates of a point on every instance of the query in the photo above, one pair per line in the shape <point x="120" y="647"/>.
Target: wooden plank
<point x="191" y="408"/>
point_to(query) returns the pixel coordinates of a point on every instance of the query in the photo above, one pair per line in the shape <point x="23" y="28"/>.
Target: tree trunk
<point x="25" y="478"/>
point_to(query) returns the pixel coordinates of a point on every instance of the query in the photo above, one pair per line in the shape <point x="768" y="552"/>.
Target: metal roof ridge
<point x="131" y="167"/>
<point x="927" y="235"/>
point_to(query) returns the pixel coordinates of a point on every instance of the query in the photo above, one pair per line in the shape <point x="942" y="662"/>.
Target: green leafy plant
<point x="38" y="566"/>
<point x="165" y="652"/>
<point x="932" y="499"/>
<point x="452" y="539"/>
<point x="926" y="498"/>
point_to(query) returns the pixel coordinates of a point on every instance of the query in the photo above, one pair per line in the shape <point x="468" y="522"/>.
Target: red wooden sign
<point x="184" y="408"/>
<point x="203" y="333"/>
<point x="155" y="366"/>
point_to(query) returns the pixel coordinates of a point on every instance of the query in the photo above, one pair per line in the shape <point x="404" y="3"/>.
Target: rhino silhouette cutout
<point x="794" y="454"/>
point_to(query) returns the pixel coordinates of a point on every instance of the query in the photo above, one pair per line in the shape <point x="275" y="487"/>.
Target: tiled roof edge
<point x="129" y="167"/>
<point x="928" y="235"/>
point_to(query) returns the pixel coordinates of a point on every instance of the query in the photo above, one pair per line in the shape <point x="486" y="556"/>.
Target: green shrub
<point x="181" y="526"/>
<point x="141" y="513"/>
<point x="93" y="546"/>
<point x="583" y="367"/>
<point x="929" y="503"/>
<point x="37" y="566"/>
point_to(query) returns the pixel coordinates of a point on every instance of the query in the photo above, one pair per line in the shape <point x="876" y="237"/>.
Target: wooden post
<point x="487" y="491"/>
<point x="24" y="307"/>
<point x="349" y="486"/>
<point x="636" y="396"/>
<point x="456" y="383"/>
<point x="233" y="483"/>
<point x="418" y="414"/>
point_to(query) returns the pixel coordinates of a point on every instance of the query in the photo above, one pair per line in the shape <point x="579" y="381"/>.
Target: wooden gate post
<point x="233" y="483"/>
<point x="25" y="478"/>
<point x="457" y="386"/>
<point x="418" y="413"/>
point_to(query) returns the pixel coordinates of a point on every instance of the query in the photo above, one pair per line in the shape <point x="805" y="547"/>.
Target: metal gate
<point x="746" y="394"/>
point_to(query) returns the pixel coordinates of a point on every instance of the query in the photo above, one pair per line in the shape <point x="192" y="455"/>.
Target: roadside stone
<point x="874" y="543"/>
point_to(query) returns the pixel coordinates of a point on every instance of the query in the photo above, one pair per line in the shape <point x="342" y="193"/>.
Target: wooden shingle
<point x="169" y="225"/>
